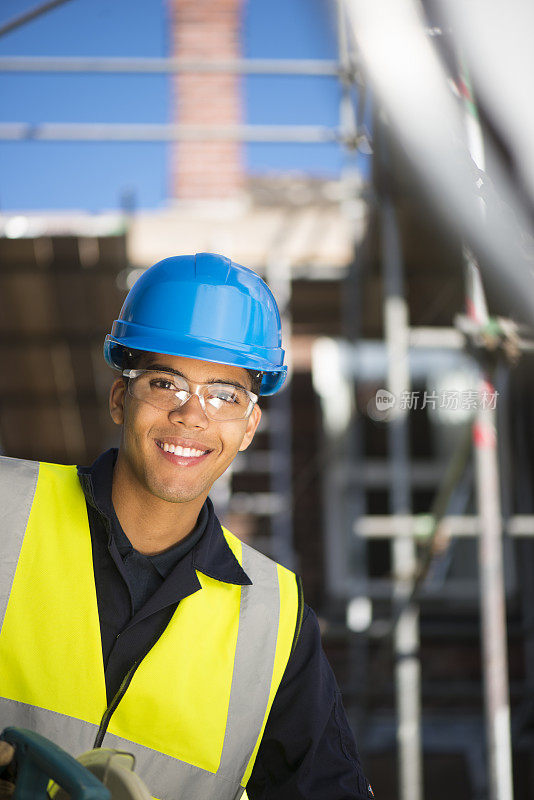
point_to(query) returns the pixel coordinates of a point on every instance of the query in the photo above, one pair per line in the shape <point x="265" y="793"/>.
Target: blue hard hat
<point x="203" y="307"/>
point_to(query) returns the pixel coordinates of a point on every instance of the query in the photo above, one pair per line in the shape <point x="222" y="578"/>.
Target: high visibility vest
<point x="194" y="709"/>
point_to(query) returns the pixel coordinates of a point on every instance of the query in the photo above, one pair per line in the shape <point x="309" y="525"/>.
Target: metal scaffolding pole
<point x="492" y="603"/>
<point x="113" y="65"/>
<point x="491" y="565"/>
<point x="356" y="500"/>
<point x="156" y="132"/>
<point x="406" y="635"/>
<point x="28" y="16"/>
<point x="278" y="276"/>
<point x="377" y="526"/>
<point x="348" y="121"/>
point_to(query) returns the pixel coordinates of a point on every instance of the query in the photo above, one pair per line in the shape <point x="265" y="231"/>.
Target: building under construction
<point x="395" y="472"/>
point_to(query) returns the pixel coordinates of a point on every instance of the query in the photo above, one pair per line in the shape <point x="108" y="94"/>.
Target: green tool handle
<point x="39" y="760"/>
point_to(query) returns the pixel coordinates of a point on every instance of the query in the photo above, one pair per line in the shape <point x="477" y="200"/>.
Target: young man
<point x="131" y="619"/>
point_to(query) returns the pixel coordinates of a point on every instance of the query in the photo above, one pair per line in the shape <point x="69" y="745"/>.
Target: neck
<point x="151" y="524"/>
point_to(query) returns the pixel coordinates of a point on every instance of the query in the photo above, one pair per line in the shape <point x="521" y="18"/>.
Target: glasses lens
<point x="160" y="389"/>
<point x="224" y="401"/>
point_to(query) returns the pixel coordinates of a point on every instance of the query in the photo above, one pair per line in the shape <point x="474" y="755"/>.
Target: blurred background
<point x="373" y="162"/>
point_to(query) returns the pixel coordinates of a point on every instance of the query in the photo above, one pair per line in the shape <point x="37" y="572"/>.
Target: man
<point x="131" y="619"/>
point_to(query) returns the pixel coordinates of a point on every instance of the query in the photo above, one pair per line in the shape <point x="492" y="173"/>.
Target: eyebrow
<point x="164" y="368"/>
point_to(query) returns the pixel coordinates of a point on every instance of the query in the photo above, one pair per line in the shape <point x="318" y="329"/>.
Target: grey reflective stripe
<point x="18" y="480"/>
<point x="73" y="735"/>
<point x="253" y="666"/>
<point x="170" y="779"/>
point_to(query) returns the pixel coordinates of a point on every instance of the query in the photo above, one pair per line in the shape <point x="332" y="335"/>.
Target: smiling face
<point x="177" y="455"/>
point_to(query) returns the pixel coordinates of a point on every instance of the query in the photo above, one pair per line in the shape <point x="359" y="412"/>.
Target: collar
<point x="211" y="555"/>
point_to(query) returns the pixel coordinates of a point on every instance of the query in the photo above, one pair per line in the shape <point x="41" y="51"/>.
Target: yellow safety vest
<point x="194" y="709"/>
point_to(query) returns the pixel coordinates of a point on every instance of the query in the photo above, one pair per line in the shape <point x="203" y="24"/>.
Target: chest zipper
<point x="108" y="713"/>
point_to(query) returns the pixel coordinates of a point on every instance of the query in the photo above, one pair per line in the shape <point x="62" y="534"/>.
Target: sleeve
<point x="308" y="750"/>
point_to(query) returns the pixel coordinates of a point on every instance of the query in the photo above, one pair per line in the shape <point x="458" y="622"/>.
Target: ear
<point x="252" y="423"/>
<point x="116" y="401"/>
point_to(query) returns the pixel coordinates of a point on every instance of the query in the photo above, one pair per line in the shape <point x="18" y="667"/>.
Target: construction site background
<point x="380" y="468"/>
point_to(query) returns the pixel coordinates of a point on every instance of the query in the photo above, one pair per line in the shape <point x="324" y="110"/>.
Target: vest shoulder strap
<point x="18" y="479"/>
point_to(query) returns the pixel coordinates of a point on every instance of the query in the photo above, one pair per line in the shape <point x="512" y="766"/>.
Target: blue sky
<point x="96" y="176"/>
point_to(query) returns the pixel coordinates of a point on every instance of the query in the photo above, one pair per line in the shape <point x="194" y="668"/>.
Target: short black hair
<point x="255" y="380"/>
<point x="132" y="358"/>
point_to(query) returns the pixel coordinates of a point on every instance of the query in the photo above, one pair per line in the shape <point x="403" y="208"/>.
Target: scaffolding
<point x="394" y="360"/>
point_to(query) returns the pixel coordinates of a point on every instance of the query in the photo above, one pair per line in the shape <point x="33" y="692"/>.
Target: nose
<point x="191" y="414"/>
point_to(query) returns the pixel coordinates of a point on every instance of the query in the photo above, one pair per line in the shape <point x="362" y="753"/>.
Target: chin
<point x="175" y="494"/>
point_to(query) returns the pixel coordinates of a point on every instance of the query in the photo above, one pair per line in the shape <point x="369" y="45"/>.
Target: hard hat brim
<point x="201" y="349"/>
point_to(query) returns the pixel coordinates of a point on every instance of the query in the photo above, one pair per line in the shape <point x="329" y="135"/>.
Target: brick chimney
<point x="207" y="29"/>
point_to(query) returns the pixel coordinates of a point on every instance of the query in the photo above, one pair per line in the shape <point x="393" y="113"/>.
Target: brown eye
<point x="162" y="383"/>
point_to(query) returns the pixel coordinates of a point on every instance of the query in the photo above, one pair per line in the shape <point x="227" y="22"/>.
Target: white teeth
<point x="184" y="452"/>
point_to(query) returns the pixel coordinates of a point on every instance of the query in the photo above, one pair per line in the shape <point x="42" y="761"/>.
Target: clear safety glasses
<point x="169" y="391"/>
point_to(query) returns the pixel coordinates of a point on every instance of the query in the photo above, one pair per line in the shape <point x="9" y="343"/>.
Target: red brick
<point x="207" y="29"/>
